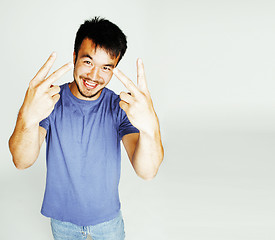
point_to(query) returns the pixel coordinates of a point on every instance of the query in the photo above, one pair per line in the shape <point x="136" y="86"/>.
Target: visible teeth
<point x="90" y="84"/>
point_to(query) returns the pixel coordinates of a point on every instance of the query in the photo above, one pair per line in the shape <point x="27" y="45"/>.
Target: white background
<point x="210" y="69"/>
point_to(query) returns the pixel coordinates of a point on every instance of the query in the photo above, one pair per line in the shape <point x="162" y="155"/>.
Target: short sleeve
<point x="125" y="126"/>
<point x="45" y="123"/>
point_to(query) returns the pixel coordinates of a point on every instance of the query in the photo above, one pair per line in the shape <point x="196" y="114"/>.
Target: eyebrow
<point x="105" y="65"/>
<point x="86" y="55"/>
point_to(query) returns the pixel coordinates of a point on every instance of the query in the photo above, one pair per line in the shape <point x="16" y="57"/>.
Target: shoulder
<point x="110" y="93"/>
<point x="112" y="97"/>
<point x="112" y="100"/>
<point x="62" y="93"/>
<point x="62" y="87"/>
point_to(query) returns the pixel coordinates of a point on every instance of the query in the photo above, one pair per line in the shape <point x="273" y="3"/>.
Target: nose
<point x="94" y="74"/>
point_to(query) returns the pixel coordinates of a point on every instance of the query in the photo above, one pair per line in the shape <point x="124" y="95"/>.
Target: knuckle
<point x="57" y="97"/>
<point x="31" y="84"/>
<point x="54" y="90"/>
<point x="122" y="94"/>
<point x="121" y="104"/>
<point x="143" y="98"/>
<point x="39" y="90"/>
<point x="49" y="97"/>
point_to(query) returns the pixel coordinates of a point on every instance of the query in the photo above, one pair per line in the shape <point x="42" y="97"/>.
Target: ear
<point x="74" y="56"/>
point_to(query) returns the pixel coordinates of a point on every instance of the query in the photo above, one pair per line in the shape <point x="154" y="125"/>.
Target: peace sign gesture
<point x="138" y="104"/>
<point x="41" y="96"/>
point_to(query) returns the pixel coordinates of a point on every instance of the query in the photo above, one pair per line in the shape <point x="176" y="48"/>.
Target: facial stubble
<point x="82" y="94"/>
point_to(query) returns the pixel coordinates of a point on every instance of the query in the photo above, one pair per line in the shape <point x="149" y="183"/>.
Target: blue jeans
<point x="110" y="230"/>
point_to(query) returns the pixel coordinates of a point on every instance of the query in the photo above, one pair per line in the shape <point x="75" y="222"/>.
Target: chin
<point x="84" y="90"/>
<point x="90" y="94"/>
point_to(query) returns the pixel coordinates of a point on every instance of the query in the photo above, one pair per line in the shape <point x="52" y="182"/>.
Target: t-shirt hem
<point x="80" y="223"/>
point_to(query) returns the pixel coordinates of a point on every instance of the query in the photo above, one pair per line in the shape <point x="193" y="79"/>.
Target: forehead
<point x="97" y="53"/>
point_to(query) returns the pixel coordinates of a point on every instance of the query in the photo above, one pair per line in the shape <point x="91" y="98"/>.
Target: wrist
<point x="26" y="120"/>
<point x="152" y="132"/>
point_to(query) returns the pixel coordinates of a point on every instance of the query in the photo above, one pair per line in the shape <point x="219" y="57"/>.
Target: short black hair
<point x="104" y="34"/>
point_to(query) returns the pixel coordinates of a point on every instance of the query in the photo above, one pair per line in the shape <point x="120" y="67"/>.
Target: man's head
<point x="99" y="46"/>
<point x="104" y="34"/>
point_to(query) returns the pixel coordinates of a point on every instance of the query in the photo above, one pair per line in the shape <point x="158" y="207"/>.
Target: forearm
<point x="148" y="154"/>
<point x="24" y="143"/>
<point x="39" y="102"/>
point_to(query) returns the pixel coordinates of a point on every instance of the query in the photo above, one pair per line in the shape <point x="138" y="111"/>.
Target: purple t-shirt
<point x="84" y="158"/>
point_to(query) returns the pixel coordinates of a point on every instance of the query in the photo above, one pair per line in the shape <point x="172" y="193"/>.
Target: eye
<point x="106" y="69"/>
<point x="87" y="62"/>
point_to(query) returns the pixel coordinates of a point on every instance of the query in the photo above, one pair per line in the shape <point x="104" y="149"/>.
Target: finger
<point x="44" y="70"/>
<point x="124" y="106"/>
<point x="126" y="97"/>
<point x="56" y="98"/>
<point x="141" y="79"/>
<point x="54" y="90"/>
<point x="57" y="74"/>
<point x="126" y="81"/>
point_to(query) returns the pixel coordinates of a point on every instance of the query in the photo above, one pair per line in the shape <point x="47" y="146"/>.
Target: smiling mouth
<point x="89" y="84"/>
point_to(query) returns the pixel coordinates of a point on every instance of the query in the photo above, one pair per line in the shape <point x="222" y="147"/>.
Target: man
<point x="83" y="123"/>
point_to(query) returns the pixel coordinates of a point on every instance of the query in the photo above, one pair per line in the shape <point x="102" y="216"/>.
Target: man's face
<point x="92" y="71"/>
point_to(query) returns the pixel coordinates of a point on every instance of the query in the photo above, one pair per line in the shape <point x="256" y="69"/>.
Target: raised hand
<point x="138" y="104"/>
<point x="41" y="95"/>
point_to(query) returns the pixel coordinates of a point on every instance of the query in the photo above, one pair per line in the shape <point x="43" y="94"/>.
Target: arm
<point x="145" y="149"/>
<point x="145" y="153"/>
<point x="25" y="143"/>
<point x="39" y="102"/>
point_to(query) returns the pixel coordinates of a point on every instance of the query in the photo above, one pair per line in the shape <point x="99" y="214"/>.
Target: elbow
<point x="19" y="165"/>
<point x="148" y="176"/>
<point x="20" y="161"/>
<point x="14" y="159"/>
<point x="150" y="171"/>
